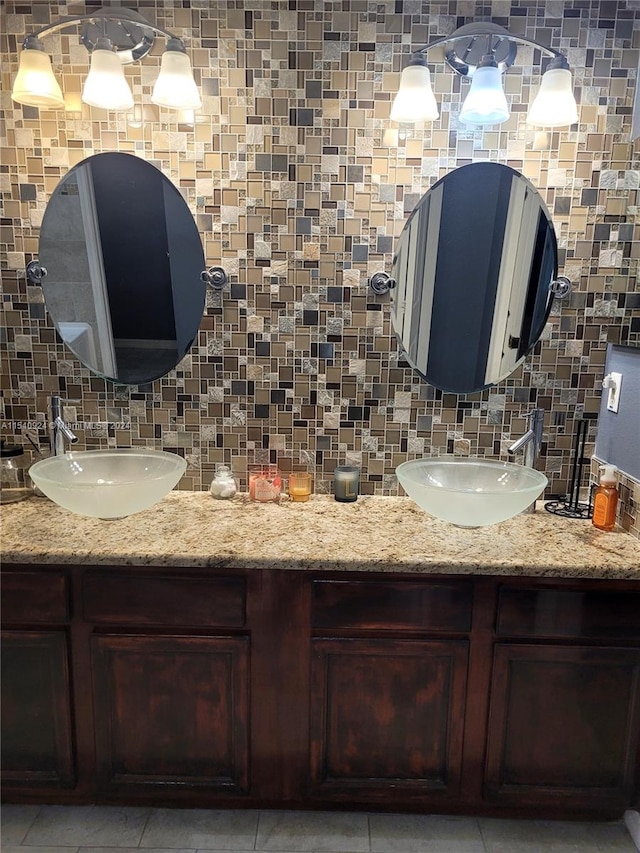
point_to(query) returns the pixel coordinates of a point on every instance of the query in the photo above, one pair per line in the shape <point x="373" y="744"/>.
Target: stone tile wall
<point x="300" y="186"/>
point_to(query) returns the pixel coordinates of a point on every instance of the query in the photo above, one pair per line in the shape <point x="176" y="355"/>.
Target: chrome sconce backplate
<point x="474" y="41"/>
<point x="129" y="32"/>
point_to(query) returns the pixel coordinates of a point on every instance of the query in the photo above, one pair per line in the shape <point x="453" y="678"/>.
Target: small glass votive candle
<point x="299" y="486"/>
<point x="346" y="483"/>
<point x="265" y="483"/>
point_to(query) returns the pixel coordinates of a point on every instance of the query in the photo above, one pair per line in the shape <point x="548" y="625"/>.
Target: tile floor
<point x="94" y="829"/>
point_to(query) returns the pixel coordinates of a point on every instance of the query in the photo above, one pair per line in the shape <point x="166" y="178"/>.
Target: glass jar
<point x="223" y="486"/>
<point x="15" y="484"/>
<point x="346" y="483"/>
<point x="265" y="483"/>
<point x="300" y="486"/>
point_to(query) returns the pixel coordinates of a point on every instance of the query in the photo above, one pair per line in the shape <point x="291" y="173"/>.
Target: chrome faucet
<point x="530" y="443"/>
<point x="58" y="430"/>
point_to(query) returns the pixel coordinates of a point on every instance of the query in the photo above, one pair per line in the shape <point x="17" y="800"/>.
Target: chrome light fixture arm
<point x="139" y="29"/>
<point x="113" y="37"/>
<point x="483" y="52"/>
<point x="471" y="32"/>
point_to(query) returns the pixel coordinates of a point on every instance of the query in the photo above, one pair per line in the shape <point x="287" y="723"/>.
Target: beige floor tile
<point x="106" y="826"/>
<point x="612" y="838"/>
<point x="208" y="829"/>
<point x="313" y="832"/>
<point x="424" y="834"/>
<point x="536" y="836"/>
<point x="22" y="848"/>
<point x="15" y="822"/>
<point x="136" y="850"/>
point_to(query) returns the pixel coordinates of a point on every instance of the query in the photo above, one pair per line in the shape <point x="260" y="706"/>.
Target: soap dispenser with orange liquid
<point x="605" y="499"/>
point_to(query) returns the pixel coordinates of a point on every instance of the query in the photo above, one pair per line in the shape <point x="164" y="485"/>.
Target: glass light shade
<point x="415" y="100"/>
<point x="486" y="102"/>
<point x="554" y="105"/>
<point x="106" y="86"/>
<point x="35" y="84"/>
<point x="175" y="87"/>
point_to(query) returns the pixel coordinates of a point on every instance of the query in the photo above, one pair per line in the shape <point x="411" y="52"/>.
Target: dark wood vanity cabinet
<point x="564" y="719"/>
<point x="388" y="689"/>
<point x="563" y="726"/>
<point x="170" y="682"/>
<point x="171" y="711"/>
<point x="36" y="693"/>
<point x="307" y="689"/>
<point x="387" y="718"/>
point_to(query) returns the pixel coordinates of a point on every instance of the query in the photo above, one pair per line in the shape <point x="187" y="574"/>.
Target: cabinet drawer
<point x="120" y="598"/>
<point x="568" y="613"/>
<point x="35" y="597"/>
<point x="392" y="604"/>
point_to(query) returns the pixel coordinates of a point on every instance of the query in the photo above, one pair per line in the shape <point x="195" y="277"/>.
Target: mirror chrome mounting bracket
<point x="561" y="287"/>
<point x="381" y="282"/>
<point x="215" y="277"/>
<point x="35" y="272"/>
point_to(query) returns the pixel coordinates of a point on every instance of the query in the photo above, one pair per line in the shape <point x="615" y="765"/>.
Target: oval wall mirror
<point x="473" y="270"/>
<point x="123" y="260"/>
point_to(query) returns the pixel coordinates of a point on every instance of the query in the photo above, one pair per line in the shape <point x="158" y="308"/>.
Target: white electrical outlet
<point x="612" y="382"/>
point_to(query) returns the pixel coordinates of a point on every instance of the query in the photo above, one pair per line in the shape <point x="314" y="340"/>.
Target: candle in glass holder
<point x="346" y="483"/>
<point x="299" y="486"/>
<point x="265" y="483"/>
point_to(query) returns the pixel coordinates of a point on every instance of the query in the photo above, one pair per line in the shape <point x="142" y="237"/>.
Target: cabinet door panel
<point x="572" y="613"/>
<point x="36" y="713"/>
<point x="386" y="717"/>
<point x="34" y="597"/>
<point x="563" y="724"/>
<point x="392" y="604"/>
<point x="140" y="599"/>
<point x="171" y="711"/>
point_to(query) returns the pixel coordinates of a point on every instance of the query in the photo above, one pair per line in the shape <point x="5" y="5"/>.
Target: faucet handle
<point x="535" y="416"/>
<point x="64" y="400"/>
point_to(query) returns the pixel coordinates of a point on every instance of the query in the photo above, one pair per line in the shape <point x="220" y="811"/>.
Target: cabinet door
<point x="36" y="713"/>
<point x="171" y="712"/>
<point x="386" y="718"/>
<point x="563" y="726"/>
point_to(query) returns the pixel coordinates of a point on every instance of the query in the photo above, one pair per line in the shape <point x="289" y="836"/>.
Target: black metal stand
<point x="570" y="507"/>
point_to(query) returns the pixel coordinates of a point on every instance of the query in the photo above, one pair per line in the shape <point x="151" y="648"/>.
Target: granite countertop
<point x="387" y="534"/>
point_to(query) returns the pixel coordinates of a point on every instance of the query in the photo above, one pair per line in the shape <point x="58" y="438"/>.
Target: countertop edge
<point x="228" y="563"/>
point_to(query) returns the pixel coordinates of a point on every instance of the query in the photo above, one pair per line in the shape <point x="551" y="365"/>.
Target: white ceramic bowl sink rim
<point x="121" y="481"/>
<point x="41" y="466"/>
<point x="479" y="493"/>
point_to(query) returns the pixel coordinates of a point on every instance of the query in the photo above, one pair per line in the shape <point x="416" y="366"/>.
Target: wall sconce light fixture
<point x="114" y="37"/>
<point x="483" y="52"/>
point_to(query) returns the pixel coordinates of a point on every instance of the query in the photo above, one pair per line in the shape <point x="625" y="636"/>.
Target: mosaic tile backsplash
<point x="300" y="186"/>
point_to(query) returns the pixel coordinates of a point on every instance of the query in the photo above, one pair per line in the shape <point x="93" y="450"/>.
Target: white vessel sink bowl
<point x="108" y="483"/>
<point x="470" y="492"/>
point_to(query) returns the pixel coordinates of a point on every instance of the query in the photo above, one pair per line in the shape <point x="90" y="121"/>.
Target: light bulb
<point x="486" y="102"/>
<point x="555" y="104"/>
<point x="175" y="87"/>
<point x="106" y="86"/>
<point x="415" y="100"/>
<point x="35" y="84"/>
